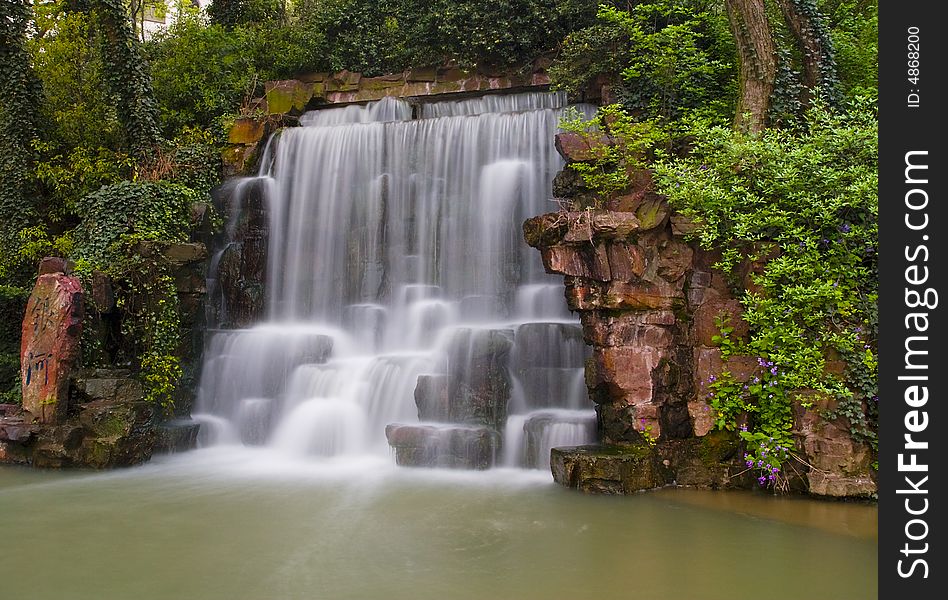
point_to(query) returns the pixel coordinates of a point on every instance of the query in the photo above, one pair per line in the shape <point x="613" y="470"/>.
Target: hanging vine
<point x="126" y="75"/>
<point x="18" y="120"/>
<point x="808" y="26"/>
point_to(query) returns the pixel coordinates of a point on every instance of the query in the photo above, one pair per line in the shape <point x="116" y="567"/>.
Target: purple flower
<point x="773" y="370"/>
<point x="845" y="228"/>
<point x="749" y="463"/>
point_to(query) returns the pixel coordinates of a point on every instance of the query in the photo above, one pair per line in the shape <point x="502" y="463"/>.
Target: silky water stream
<point x="395" y="257"/>
<point x="395" y="262"/>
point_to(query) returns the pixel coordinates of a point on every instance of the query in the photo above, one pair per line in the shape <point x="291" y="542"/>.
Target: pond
<point x="233" y="523"/>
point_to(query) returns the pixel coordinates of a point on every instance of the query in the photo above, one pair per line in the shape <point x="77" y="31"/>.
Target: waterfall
<point x="395" y="264"/>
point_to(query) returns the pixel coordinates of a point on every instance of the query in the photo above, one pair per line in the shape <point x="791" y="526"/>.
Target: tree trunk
<point x="758" y="65"/>
<point x="813" y="42"/>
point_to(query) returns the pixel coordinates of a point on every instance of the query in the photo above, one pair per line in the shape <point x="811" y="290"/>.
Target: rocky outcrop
<point x="478" y="380"/>
<point x="108" y="425"/>
<point x="49" y="346"/>
<point x="606" y="469"/>
<point x="238" y="274"/>
<point x="839" y="465"/>
<point x="469" y="403"/>
<point x="627" y="282"/>
<point x="652" y="307"/>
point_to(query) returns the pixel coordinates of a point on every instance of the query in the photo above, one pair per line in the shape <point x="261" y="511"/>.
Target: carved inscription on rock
<point x="50" y="345"/>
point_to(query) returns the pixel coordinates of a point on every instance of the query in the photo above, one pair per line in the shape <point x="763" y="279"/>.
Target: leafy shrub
<point x="671" y="58"/>
<point x="146" y="210"/>
<point x="806" y="201"/>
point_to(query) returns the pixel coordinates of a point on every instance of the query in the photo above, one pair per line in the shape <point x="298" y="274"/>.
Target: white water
<point x="389" y="238"/>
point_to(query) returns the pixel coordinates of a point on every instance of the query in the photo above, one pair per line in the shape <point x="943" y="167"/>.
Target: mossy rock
<point x="607" y="469"/>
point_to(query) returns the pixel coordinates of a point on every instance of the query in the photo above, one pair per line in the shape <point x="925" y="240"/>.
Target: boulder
<point x="431" y="398"/>
<point x="478" y="378"/>
<point x="840" y="466"/>
<point x="574" y="147"/>
<point x="49" y="345"/>
<point x="179" y="435"/>
<point x="451" y="446"/>
<point x="287" y="96"/>
<point x="246" y="131"/>
<point x="607" y="469"/>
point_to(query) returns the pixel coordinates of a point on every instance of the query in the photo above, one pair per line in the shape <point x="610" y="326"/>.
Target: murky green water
<point x="234" y="525"/>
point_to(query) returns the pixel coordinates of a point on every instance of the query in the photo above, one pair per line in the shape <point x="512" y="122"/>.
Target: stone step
<point x="443" y="446"/>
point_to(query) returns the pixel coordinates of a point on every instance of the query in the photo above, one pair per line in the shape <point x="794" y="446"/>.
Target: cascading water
<point x="395" y="258"/>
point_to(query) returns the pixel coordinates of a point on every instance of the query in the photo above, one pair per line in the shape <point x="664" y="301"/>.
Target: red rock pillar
<point x="49" y="345"/>
<point x="625" y="275"/>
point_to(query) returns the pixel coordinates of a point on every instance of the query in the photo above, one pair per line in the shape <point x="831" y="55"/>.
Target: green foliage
<point x="126" y="225"/>
<point x="151" y="323"/>
<point x="12" y="307"/>
<point x="146" y="210"/>
<point x="376" y="37"/>
<point x="804" y="203"/>
<point x="18" y="121"/>
<point x="200" y="73"/>
<point x="769" y="457"/>
<point x="618" y="145"/>
<point x="126" y="76"/>
<point x="854" y="30"/>
<point x="239" y="12"/>
<point x="673" y="58"/>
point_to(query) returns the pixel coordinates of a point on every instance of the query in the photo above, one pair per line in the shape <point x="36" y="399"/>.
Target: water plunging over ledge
<point x="399" y="290"/>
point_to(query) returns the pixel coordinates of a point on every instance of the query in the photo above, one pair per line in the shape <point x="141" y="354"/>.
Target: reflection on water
<point x="228" y="523"/>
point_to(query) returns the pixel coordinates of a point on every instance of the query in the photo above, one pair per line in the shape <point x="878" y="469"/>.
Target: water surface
<point x="232" y="524"/>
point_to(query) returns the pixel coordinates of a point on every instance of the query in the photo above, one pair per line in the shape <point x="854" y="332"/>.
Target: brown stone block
<point x="630" y="369"/>
<point x="674" y="260"/>
<point x="702" y="417"/>
<point x="607" y="469"/>
<point x="422" y="74"/>
<point x="623" y="263"/>
<point x="49" y="345"/>
<point x="644" y="295"/>
<point x="706" y="316"/>
<point x="629" y="329"/>
<point x="565" y="260"/>
<point x="54" y="264"/>
<point x="652" y="211"/>
<point x="614" y="225"/>
<point x="314" y="77"/>
<point x="545" y="230"/>
<point x="246" y="130"/>
<point x="742" y="367"/>
<point x="287" y="96"/>
<point x="103" y="295"/>
<point x="707" y="362"/>
<point x="683" y="225"/>
<point x="574" y="147"/>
